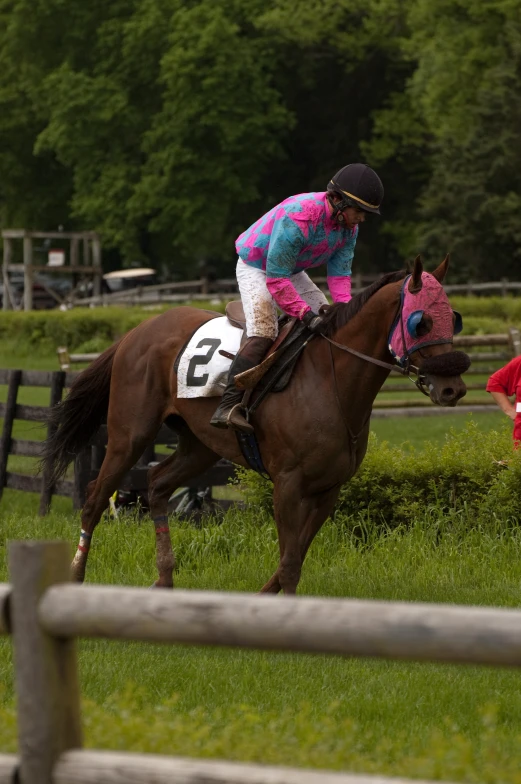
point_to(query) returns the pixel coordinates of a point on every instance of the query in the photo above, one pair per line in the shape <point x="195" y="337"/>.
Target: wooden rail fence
<point x="89" y="462"/>
<point x="11" y="411"/>
<point x="205" y="288"/>
<point x="45" y="614"/>
<point x="504" y="348"/>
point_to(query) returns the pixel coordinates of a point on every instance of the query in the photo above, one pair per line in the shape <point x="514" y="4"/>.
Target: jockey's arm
<point x="285" y="243"/>
<point x="339" y="270"/>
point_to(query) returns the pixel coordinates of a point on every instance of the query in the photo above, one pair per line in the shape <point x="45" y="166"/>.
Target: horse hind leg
<point x="189" y="460"/>
<point x="121" y="455"/>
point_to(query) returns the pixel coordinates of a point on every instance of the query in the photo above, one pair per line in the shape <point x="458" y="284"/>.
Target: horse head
<point x="423" y="331"/>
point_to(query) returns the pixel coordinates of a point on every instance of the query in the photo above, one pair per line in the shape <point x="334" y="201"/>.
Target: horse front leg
<point x="299" y="518"/>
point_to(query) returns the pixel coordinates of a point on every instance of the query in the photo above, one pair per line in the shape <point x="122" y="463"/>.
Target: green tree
<point x="457" y="124"/>
<point x="470" y="89"/>
<point x="34" y="190"/>
<point x="170" y="126"/>
<point x="220" y="126"/>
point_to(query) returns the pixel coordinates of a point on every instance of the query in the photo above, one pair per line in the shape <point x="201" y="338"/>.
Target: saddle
<point x="281" y="357"/>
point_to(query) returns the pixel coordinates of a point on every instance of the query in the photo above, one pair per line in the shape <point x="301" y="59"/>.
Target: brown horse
<point x="312" y="436"/>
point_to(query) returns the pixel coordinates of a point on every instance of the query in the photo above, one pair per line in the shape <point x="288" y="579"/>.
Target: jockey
<point x="301" y="232"/>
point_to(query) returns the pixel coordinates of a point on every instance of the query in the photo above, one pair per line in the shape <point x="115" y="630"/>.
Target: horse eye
<point x="424" y="326"/>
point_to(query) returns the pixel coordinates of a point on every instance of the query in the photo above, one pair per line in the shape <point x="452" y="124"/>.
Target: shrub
<point x="502" y="308"/>
<point x="94" y="329"/>
<point x="396" y="485"/>
<point x="97" y="327"/>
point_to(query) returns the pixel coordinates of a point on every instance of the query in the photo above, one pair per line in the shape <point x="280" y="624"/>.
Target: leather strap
<point x="406" y="370"/>
<point x="372" y="360"/>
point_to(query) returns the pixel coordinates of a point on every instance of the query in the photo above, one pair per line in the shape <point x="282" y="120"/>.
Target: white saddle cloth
<point x="202" y="370"/>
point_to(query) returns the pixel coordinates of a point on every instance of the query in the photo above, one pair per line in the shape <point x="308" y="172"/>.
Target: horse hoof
<point x="157" y="584"/>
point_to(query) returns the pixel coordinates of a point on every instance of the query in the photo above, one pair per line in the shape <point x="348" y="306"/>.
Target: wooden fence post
<point x="57" y="387"/>
<point x="28" y="273"/>
<point x="515" y="340"/>
<point x="96" y="263"/>
<point x="45" y="667"/>
<point x="356" y="281"/>
<point x="7" y="301"/>
<point x="15" y="377"/>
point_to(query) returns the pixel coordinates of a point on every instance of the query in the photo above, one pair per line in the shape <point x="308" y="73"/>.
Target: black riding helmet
<point x="359" y="186"/>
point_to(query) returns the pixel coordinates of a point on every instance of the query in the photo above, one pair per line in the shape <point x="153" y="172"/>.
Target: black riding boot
<point x="230" y="413"/>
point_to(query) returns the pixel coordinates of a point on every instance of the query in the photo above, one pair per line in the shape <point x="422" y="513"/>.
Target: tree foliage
<point x="170" y="125"/>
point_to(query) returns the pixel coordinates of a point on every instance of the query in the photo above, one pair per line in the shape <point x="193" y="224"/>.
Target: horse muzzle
<point x="442" y="375"/>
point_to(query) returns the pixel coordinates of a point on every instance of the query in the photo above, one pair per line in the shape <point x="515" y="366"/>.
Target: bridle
<point x="402" y="365"/>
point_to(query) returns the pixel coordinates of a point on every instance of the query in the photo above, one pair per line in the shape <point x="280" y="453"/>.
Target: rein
<point x="406" y="369"/>
<point x="419" y="382"/>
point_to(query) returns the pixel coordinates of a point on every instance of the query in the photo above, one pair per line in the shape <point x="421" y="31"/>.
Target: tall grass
<point x="424" y="720"/>
<point x="418" y="720"/>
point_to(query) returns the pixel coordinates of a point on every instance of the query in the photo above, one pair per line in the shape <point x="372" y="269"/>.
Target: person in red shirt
<point x="502" y="385"/>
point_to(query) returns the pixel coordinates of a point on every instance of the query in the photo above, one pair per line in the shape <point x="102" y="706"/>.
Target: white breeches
<point x="259" y="306"/>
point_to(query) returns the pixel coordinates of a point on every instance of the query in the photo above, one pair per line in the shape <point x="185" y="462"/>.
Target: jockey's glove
<point x="314" y="322"/>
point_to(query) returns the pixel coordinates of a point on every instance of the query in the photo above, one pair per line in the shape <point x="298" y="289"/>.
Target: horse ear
<point x="415" y="283"/>
<point x="440" y="272"/>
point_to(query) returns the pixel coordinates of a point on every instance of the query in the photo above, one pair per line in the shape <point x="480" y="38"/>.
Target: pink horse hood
<point x="432" y="301"/>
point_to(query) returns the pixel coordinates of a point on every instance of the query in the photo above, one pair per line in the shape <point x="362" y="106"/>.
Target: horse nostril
<point x="448" y="392"/>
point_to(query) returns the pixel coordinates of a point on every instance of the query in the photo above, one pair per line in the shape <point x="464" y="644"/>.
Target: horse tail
<point x="75" y="420"/>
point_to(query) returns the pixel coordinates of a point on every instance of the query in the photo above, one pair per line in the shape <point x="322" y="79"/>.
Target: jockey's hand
<point x="314" y="322"/>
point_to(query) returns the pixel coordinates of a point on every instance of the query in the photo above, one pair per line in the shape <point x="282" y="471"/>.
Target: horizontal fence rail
<point x="89" y="461"/>
<point x="48" y="613"/>
<point x="222" y="288"/>
<point x="429" y="410"/>
<point x="346" y="627"/>
<point x="510" y="340"/>
<point x="105" y="767"/>
<point x="8" y="767"/>
<point x="91" y="767"/>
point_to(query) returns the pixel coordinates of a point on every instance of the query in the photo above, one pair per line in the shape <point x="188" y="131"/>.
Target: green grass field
<point x="418" y="720"/>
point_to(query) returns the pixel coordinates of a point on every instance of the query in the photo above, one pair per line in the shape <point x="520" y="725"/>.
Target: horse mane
<point x="338" y="315"/>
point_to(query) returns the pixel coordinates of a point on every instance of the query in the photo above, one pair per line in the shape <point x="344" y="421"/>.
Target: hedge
<point x="84" y="329"/>
<point x="474" y="475"/>
<point x="81" y="329"/>
<point x="502" y="308"/>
